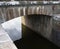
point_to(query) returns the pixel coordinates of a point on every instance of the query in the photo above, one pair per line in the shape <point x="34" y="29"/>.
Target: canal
<point x="32" y="40"/>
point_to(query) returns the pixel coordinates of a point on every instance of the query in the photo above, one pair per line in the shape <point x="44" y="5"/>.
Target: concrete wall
<point x="40" y="23"/>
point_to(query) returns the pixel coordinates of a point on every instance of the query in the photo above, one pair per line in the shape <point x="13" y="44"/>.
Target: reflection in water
<point x="32" y="40"/>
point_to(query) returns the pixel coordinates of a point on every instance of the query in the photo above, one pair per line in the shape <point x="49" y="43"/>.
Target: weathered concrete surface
<point x="39" y="23"/>
<point x="49" y="29"/>
<point x="56" y="29"/>
<point x="5" y="41"/>
<point x="13" y="28"/>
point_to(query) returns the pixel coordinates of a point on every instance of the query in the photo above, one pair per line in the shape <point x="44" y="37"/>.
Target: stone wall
<point x="40" y="23"/>
<point x="8" y="13"/>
